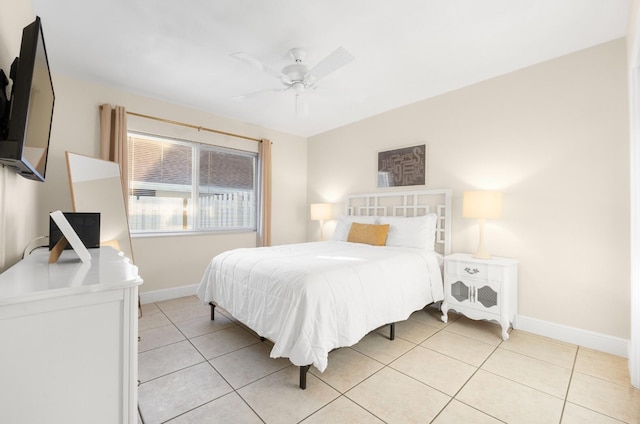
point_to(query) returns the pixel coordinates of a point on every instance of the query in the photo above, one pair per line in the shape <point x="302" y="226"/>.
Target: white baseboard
<point x="592" y="340"/>
<point x="168" y="294"/>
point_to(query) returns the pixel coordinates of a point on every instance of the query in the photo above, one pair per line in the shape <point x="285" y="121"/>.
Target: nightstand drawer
<point x="466" y="269"/>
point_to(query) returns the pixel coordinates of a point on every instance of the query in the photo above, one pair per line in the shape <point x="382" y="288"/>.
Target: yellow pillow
<point x="373" y="234"/>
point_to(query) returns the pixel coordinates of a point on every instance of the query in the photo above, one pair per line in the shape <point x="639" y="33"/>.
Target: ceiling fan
<point x="297" y="77"/>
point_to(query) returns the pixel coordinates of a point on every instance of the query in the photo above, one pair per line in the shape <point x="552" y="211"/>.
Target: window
<point x="182" y="186"/>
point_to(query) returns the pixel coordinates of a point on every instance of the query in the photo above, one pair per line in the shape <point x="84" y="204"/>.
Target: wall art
<point x="402" y="167"/>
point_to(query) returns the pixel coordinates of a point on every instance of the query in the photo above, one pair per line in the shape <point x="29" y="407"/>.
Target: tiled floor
<point x="194" y="370"/>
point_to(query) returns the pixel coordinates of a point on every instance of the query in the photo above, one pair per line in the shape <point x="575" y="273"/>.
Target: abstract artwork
<point x="402" y="167"/>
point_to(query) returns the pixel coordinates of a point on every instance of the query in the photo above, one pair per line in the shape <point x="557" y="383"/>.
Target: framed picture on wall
<point x="402" y="167"/>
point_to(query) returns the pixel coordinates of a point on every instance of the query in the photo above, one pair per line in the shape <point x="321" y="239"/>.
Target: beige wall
<point x="19" y="200"/>
<point x="170" y="261"/>
<point x="554" y="138"/>
<point x="164" y="262"/>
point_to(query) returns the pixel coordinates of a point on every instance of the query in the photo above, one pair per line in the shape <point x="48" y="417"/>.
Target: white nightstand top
<point x="468" y="257"/>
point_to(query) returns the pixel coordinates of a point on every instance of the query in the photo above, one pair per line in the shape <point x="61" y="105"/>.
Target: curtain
<point x="264" y="154"/>
<point x="113" y="142"/>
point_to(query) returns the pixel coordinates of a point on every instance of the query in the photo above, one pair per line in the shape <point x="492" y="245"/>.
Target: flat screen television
<point x="25" y="122"/>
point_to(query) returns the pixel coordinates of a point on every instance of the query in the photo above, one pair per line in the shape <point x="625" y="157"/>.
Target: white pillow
<point x="343" y="225"/>
<point x="414" y="231"/>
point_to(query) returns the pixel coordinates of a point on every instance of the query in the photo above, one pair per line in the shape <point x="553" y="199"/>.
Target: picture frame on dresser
<point x="68" y="235"/>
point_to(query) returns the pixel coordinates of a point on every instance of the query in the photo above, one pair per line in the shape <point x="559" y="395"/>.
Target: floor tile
<point x="463" y="348"/>
<point x="347" y="367"/>
<point x="195" y="310"/>
<point x="509" y="401"/>
<point x="613" y="400"/>
<point x="384" y="331"/>
<point x="248" y="330"/>
<point x="458" y="413"/>
<point x="395" y="398"/>
<point x="178" y="303"/>
<point x="278" y="398"/>
<point x="433" y="317"/>
<point x="224" y="341"/>
<point x="553" y="351"/>
<point x="438" y="371"/>
<point x="485" y="331"/>
<point x="415" y="331"/>
<point x="380" y="348"/>
<point x="229" y="408"/>
<point x="156" y="337"/>
<point x="248" y="364"/>
<point x="342" y="410"/>
<point x="603" y="365"/>
<point x="167" y="359"/>
<point x="152" y="320"/>
<point x="541" y="375"/>
<point x="200" y="325"/>
<point x="221" y="310"/>
<point x="410" y="379"/>
<point x="179" y="392"/>
<point x="575" y="414"/>
<point x="148" y="308"/>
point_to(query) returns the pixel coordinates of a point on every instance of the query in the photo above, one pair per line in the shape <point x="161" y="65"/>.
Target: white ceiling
<point x="405" y="50"/>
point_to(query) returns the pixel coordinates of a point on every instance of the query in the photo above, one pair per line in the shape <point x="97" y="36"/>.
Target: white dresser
<point x="68" y="339"/>
<point x="481" y="289"/>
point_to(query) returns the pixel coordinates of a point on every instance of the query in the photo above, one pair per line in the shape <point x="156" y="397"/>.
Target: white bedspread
<point x="310" y="298"/>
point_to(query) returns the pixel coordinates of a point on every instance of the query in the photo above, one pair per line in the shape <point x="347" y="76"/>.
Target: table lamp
<point x="321" y="212"/>
<point x="482" y="205"/>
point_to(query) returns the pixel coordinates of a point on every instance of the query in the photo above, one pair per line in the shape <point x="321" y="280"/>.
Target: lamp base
<point x="481" y="254"/>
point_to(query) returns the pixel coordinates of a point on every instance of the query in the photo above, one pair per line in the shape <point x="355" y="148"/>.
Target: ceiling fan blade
<point x="261" y="66"/>
<point x="258" y="93"/>
<point x="337" y="59"/>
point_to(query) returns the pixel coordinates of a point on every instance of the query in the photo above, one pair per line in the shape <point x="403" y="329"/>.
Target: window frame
<point x="196" y="148"/>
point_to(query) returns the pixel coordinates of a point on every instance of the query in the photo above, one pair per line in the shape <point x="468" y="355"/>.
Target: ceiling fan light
<point x="298" y="87"/>
<point x="296" y="71"/>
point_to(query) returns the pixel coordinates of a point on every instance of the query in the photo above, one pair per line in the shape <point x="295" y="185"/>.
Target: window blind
<point x="177" y="185"/>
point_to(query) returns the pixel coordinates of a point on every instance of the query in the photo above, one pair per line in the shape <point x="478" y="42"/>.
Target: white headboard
<point x="407" y="203"/>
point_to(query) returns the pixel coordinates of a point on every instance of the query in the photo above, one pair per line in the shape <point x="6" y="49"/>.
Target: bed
<point x="311" y="298"/>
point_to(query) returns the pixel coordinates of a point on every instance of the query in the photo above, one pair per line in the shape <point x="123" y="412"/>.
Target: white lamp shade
<point x="320" y="211"/>
<point x="482" y="204"/>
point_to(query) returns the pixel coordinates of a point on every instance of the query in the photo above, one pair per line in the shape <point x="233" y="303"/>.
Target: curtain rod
<point x="196" y="127"/>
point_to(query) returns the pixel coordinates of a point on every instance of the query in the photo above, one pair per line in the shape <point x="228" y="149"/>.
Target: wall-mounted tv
<point x="26" y="116"/>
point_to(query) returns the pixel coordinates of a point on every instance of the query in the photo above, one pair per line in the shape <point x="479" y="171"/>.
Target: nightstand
<point x="481" y="289"/>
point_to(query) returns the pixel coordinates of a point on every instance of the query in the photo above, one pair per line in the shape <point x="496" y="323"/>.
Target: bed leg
<point x="303" y="376"/>
<point x="392" y="331"/>
<point x="213" y="307"/>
